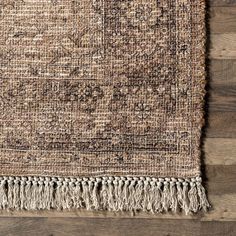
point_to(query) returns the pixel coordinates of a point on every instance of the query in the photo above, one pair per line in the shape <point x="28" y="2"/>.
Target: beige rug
<point x="101" y="104"/>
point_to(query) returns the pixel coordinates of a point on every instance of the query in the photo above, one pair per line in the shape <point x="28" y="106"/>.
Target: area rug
<point x="101" y="104"/>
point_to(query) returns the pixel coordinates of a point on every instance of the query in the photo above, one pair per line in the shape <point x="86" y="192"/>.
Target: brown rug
<point x="101" y="104"/>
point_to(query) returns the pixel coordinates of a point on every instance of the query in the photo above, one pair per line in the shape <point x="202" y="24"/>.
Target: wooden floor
<point x="219" y="158"/>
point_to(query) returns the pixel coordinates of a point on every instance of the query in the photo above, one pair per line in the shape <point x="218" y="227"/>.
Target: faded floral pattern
<point x="90" y="87"/>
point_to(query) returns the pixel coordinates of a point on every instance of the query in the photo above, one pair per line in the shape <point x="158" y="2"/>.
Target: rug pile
<point x="101" y="104"/>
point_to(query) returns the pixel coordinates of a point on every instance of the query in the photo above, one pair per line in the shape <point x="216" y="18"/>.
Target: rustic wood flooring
<point x="219" y="161"/>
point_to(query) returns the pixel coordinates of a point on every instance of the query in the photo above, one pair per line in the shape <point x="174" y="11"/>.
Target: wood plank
<point x="220" y="179"/>
<point x="222" y="86"/>
<point x="223" y="46"/>
<point x="222" y="71"/>
<point x="223" y="208"/>
<point x="222" y="19"/>
<point x="219" y="151"/>
<point x="103" y="227"/>
<point x="114" y="227"/>
<point x="222" y="3"/>
<point x="222" y="97"/>
<point x="213" y="228"/>
<point x="221" y="125"/>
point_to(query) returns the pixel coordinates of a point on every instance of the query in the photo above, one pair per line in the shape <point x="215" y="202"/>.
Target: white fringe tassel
<point x="103" y="193"/>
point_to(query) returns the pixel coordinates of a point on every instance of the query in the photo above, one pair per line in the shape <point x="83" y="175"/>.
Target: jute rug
<point x="101" y="104"/>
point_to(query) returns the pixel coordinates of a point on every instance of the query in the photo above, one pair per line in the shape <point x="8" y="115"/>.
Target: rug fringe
<point x="103" y="193"/>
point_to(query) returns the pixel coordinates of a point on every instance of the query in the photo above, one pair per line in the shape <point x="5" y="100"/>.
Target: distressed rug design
<point x="101" y="104"/>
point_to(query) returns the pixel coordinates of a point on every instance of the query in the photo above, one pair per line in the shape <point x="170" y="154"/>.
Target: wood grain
<point x="112" y="227"/>
<point x="222" y="97"/>
<point x="223" y="46"/>
<point x="219" y="151"/>
<point x="222" y="3"/>
<point x="222" y="19"/>
<point x="221" y="179"/>
<point x="223" y="208"/>
<point x="222" y="86"/>
<point x="222" y="71"/>
<point x="221" y="125"/>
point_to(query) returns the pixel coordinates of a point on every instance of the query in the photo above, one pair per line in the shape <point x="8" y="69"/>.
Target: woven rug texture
<point x="101" y="104"/>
